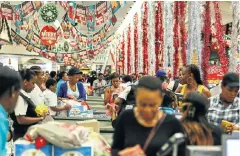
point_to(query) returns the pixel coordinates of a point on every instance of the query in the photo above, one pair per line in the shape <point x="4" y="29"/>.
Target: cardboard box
<point x="76" y="111"/>
<point x="25" y="148"/>
<point x="82" y="151"/>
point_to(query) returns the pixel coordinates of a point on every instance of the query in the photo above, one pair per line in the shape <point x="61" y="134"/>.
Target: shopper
<point x="134" y="126"/>
<point x="162" y="75"/>
<point x="200" y="132"/>
<point x="36" y="94"/>
<point x="226" y="106"/>
<point x="9" y="92"/>
<point x="24" y="114"/>
<point x="99" y="85"/>
<point x="112" y="92"/>
<point x="126" y="81"/>
<point x="191" y="81"/>
<point x="51" y="98"/>
<point x="53" y="75"/>
<point x="63" y="78"/>
<point x="73" y="89"/>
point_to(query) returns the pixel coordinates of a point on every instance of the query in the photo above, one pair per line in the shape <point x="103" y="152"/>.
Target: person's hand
<point x="67" y="107"/>
<point x="132" y="151"/>
<point x="232" y="128"/>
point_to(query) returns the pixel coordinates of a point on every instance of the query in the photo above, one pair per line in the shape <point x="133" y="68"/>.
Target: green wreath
<point x="49" y="13"/>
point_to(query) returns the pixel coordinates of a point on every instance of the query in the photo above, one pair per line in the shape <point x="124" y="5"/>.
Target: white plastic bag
<point x="63" y="135"/>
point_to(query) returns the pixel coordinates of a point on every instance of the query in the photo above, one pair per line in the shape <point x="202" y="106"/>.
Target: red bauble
<point x="40" y="142"/>
<point x="48" y="35"/>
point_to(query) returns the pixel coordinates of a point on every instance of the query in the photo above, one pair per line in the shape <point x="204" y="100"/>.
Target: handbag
<point x="153" y="132"/>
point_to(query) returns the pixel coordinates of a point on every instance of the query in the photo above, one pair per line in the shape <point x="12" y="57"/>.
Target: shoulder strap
<point x="153" y="132"/>
<point x="200" y="88"/>
<point x="29" y="101"/>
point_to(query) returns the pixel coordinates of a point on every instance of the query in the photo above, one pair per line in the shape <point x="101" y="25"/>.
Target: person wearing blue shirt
<point x="63" y="78"/>
<point x="9" y="92"/>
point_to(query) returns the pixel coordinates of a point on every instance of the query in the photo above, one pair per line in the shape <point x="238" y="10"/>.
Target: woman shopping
<point x="145" y="128"/>
<point x="200" y="132"/>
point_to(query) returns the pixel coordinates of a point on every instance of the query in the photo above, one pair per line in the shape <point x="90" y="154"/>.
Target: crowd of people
<point x="141" y="107"/>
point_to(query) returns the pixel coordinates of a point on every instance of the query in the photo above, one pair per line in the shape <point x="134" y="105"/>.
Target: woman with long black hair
<point x="198" y="129"/>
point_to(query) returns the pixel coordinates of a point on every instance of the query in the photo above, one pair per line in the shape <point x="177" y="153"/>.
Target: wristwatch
<point x="41" y="118"/>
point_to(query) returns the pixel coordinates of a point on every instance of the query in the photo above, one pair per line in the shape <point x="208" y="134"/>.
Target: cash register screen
<point x="232" y="147"/>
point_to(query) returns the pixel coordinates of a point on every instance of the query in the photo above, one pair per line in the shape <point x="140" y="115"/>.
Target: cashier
<point x="24" y="113"/>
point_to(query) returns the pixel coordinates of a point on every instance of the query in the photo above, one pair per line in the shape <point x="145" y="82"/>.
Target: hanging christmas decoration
<point x="158" y="35"/>
<point x="125" y="52"/>
<point x="66" y="46"/>
<point x="49" y="13"/>
<point x="183" y="32"/>
<point x="168" y="35"/>
<point x="176" y="38"/>
<point x="220" y="37"/>
<point x="5" y="33"/>
<point x="135" y="40"/>
<point x="235" y="50"/>
<point x="151" y="38"/>
<point x="145" y="37"/>
<point x="194" y="33"/>
<point x="129" y="50"/>
<point x="132" y="63"/>
<point x="48" y="35"/>
<point x="206" y="40"/>
<point x="140" y="46"/>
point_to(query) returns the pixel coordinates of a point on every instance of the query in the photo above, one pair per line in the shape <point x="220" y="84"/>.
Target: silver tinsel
<point x="151" y="38"/>
<point x="125" y="50"/>
<point x="233" y="54"/>
<point x="168" y="35"/>
<point x="140" y="34"/>
<point x="194" y="31"/>
<point x="132" y="63"/>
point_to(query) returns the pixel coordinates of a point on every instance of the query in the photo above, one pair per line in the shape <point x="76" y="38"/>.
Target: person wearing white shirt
<point x="99" y="85"/>
<point x="51" y="98"/>
<point x="36" y="94"/>
<point x="24" y="114"/>
<point x="126" y="81"/>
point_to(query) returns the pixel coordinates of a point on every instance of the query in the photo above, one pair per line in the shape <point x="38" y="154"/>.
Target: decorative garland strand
<point x="219" y="36"/>
<point x="206" y="41"/>
<point x="176" y="38"/>
<point x="125" y="52"/>
<point x="151" y="38"/>
<point x="157" y="32"/>
<point x="140" y="46"/>
<point x="233" y="67"/>
<point x="132" y="48"/>
<point x="145" y="37"/>
<point x="135" y="23"/>
<point x="183" y="32"/>
<point x="128" y="49"/>
<point x="161" y="31"/>
<point x="198" y="32"/>
<point x="168" y="35"/>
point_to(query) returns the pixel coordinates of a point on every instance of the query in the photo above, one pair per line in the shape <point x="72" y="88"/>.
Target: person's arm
<point x="206" y="92"/>
<point x="179" y="89"/>
<point x="23" y="120"/>
<point x="10" y="135"/>
<point x="107" y="95"/>
<point x="118" y="136"/>
<point x="118" y="101"/>
<point x="82" y="92"/>
<point x="59" y="109"/>
<point x="61" y="91"/>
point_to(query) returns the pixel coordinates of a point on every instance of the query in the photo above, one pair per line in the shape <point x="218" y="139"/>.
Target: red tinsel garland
<point x="220" y="38"/>
<point x="206" y="41"/>
<point x="145" y="37"/>
<point x="158" y="34"/>
<point x="183" y="32"/>
<point x="129" y="50"/>
<point x="176" y="38"/>
<point x="123" y="52"/>
<point x="136" y="42"/>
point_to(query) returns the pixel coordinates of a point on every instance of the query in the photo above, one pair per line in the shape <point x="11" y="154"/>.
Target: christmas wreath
<point x="49" y="13"/>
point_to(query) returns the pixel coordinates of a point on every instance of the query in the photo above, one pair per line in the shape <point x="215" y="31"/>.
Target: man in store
<point x="9" y="92"/>
<point x="24" y="114"/>
<point x="226" y="106"/>
<point x="99" y="85"/>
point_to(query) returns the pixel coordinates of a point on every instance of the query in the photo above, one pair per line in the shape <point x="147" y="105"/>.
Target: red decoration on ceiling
<point x="129" y="50"/>
<point x="48" y="35"/>
<point x="123" y="52"/>
<point x="206" y="41"/>
<point x="135" y="27"/>
<point x="145" y="37"/>
<point x="183" y="32"/>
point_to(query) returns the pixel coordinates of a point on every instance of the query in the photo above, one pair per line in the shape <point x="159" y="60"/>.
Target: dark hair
<point x="9" y="79"/>
<point x="53" y="74"/>
<point x="151" y="83"/>
<point x="192" y="68"/>
<point x="141" y="73"/>
<point x="230" y="79"/>
<point x="114" y="75"/>
<point x="36" y="69"/>
<point x="50" y="82"/>
<point x="100" y="74"/>
<point x="27" y="74"/>
<point x="61" y="75"/>
<point x="127" y="78"/>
